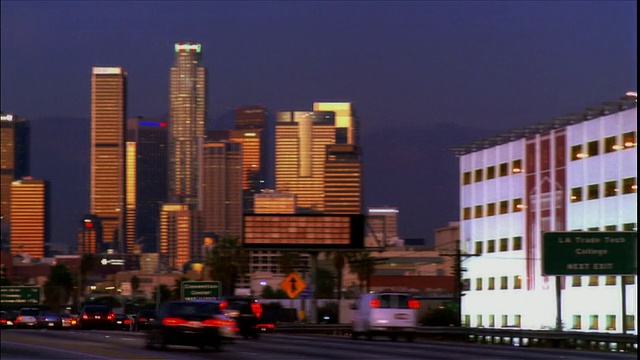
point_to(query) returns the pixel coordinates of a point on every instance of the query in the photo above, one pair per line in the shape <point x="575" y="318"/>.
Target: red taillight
<point x="3" y="321"/>
<point x="256" y="308"/>
<point x="143" y="319"/>
<point x="374" y="303"/>
<point x="85" y="316"/>
<point x="219" y="322"/>
<point x="265" y="326"/>
<point x="19" y="318"/>
<point x="414" y="304"/>
<point x="59" y="319"/>
<point x="174" y="321"/>
<point x="223" y="305"/>
<point x="42" y="319"/>
<point x="127" y="321"/>
<point x="111" y="316"/>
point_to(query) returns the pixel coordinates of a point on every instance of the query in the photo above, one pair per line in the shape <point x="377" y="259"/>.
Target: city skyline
<point x="546" y="65"/>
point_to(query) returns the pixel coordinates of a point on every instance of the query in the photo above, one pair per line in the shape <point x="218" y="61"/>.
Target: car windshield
<point x="49" y="313"/>
<point x="29" y="312"/>
<point x="394" y="301"/>
<point x="146" y="313"/>
<point x="242" y="305"/>
<point x="186" y="309"/>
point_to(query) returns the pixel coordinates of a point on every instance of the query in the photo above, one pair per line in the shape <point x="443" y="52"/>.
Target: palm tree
<point x="58" y="287"/>
<point x="226" y="262"/>
<point x="363" y="265"/>
<point x="339" y="259"/>
<point x="135" y="284"/>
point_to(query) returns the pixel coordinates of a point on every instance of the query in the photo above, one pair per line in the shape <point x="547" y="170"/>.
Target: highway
<point x="18" y="344"/>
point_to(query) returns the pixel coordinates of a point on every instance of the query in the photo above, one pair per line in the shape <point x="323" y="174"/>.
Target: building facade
<point x="31" y="217"/>
<point x="301" y="141"/>
<point x="382" y="226"/>
<point x="147" y="161"/>
<point x="187" y="114"/>
<point x="221" y="188"/>
<point x="89" y="235"/>
<point x="180" y="236"/>
<point x="347" y="122"/>
<point x="250" y="126"/>
<point x="343" y="176"/>
<point x="576" y="173"/>
<point x="107" y="188"/>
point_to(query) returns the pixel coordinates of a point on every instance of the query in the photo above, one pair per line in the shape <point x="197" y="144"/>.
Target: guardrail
<point x="512" y="337"/>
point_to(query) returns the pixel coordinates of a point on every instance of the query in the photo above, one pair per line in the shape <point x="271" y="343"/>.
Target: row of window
<point x="516" y="282"/>
<point x="501" y="207"/>
<point x="609" y="188"/>
<point x="594" y="322"/>
<point x="609" y="145"/>
<point x="490" y="172"/>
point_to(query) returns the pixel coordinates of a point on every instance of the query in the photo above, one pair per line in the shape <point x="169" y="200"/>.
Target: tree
<point x="325" y="284"/>
<point x="178" y="287"/>
<point x="339" y="260"/>
<point x="165" y="293"/>
<point x="58" y="287"/>
<point x="135" y="283"/>
<point x="4" y="279"/>
<point x="363" y="265"/>
<point x="288" y="261"/>
<point x="226" y="262"/>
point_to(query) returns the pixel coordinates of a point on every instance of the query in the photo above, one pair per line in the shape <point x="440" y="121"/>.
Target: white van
<point x="385" y="313"/>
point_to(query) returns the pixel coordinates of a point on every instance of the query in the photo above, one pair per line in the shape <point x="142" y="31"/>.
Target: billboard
<point x="319" y="232"/>
<point x="20" y="295"/>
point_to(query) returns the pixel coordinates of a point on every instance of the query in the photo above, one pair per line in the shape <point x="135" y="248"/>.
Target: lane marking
<point x="57" y="349"/>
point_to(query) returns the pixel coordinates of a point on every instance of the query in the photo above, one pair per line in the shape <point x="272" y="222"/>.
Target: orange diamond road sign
<point x="293" y="285"/>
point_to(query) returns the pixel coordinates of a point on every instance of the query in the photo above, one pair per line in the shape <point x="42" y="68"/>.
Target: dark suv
<point x="246" y="310"/>
<point x="97" y="317"/>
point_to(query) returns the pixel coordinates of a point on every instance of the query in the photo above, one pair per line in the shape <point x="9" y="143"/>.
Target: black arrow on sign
<point x="293" y="285"/>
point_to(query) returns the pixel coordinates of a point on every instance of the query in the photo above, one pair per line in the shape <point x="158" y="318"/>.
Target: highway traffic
<point x="32" y="344"/>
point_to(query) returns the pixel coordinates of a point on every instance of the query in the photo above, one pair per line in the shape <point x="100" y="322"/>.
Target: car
<point x="27" y="318"/>
<point x="49" y="320"/>
<point x="246" y="310"/>
<point x="392" y="314"/>
<point x="8" y="319"/>
<point x="227" y="325"/>
<point x="69" y="321"/>
<point x="143" y="318"/>
<point x="187" y="323"/>
<point x="97" y="317"/>
<point x="123" y="322"/>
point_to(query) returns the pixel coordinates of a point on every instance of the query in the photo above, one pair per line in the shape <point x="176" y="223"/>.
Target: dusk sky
<point x="424" y="76"/>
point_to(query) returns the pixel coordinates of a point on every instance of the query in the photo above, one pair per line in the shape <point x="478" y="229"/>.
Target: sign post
<point x="200" y="290"/>
<point x="589" y="253"/>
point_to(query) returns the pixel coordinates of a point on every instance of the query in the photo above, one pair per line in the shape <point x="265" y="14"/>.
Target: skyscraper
<point x="14" y="163"/>
<point x="146" y="179"/>
<point x="347" y="122"/>
<point x="108" y="114"/>
<point x="221" y="188"/>
<point x="301" y="141"/>
<point x="343" y="180"/>
<point x="180" y="240"/>
<point x="30" y="209"/>
<point x="187" y="114"/>
<point x="89" y="235"/>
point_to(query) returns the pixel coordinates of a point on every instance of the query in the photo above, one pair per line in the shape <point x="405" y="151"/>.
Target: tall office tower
<point x="301" y="141"/>
<point x="382" y="226"/>
<point x="343" y="180"/>
<point x="14" y="163"/>
<point x="221" y="189"/>
<point x="30" y="220"/>
<point x="108" y="114"/>
<point x="187" y="114"/>
<point x="179" y="235"/>
<point x="347" y="122"/>
<point x="250" y="123"/>
<point x="146" y="180"/>
<point x="274" y="202"/>
<point x="89" y="235"/>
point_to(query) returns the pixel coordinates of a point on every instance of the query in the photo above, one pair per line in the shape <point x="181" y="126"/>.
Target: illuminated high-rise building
<point x="187" y="114"/>
<point x="343" y="180"/>
<point x="146" y="181"/>
<point x="30" y="220"/>
<point x="250" y="126"/>
<point x="107" y="190"/>
<point x="382" y="226"/>
<point x="180" y="237"/>
<point x="347" y="122"/>
<point x="301" y="141"/>
<point x="89" y="235"/>
<point x="274" y="202"/>
<point x="14" y="162"/>
<point x="221" y="189"/>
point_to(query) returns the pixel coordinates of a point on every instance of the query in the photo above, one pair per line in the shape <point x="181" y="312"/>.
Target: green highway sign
<point x="20" y="295"/>
<point x="589" y="253"/>
<point x="200" y="290"/>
